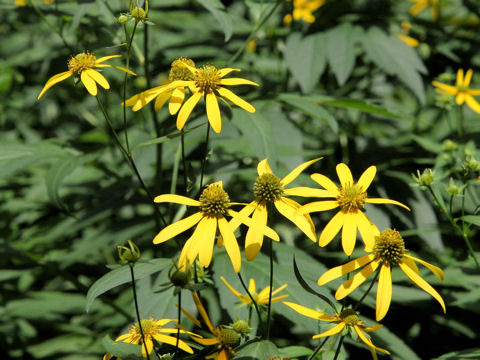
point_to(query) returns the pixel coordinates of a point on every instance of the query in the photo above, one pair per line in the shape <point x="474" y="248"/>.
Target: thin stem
<point x="137" y="310"/>
<point x="271" y="287"/>
<point x="460" y="122"/>
<point x="184" y="162"/>
<point x="179" y="316"/>
<point x="368" y="290"/>
<point x="205" y="157"/>
<point x="337" y="352"/>
<point x="317" y="349"/>
<point x="253" y="302"/>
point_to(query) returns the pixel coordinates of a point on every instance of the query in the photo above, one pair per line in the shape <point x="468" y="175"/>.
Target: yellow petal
<point x="252" y="287"/>
<point x="384" y="291"/>
<point x="177" y="199"/>
<point x="367" y="341"/>
<point x="385" y="201"/>
<point x="367" y="178"/>
<point x="372" y="328"/>
<point x="307" y="312"/>
<point x="99" y="78"/>
<point x="213" y="112"/>
<point x="417" y="8"/>
<point x="297" y="171"/>
<point x="349" y="233"/>
<point x="161" y="100"/>
<point x="149" y="346"/>
<point x="191" y="248"/>
<point x="236" y="99"/>
<point x="208" y="341"/>
<point x="472" y="103"/>
<point x="268" y="231"/>
<point x="172" y="341"/>
<point x="335" y="330"/>
<point x="468" y="78"/>
<point x="264" y="168"/>
<point x="417" y="279"/>
<point x="105" y="58"/>
<point x="447" y="89"/>
<point x="327" y="184"/>
<point x="332" y="229"/>
<point x="288" y="208"/>
<point x="274" y="292"/>
<point x="235" y="292"/>
<point x="244" y="213"/>
<point x="208" y="240"/>
<point x="89" y="83"/>
<point x="177" y="227"/>
<point x="460" y="77"/>
<point x="367" y="230"/>
<point x="344" y="175"/>
<point x="317" y="206"/>
<point x="140" y="100"/>
<point x="231" y="244"/>
<point x="307" y="192"/>
<point x="176" y="101"/>
<point x="254" y="238"/>
<point x="115" y="67"/>
<point x="341" y="270"/>
<point x="460" y="99"/>
<point x="186" y="110"/>
<point x="436" y="270"/>
<point x="359" y="278"/>
<point x="225" y="71"/>
<point x="202" y="312"/>
<point x="237" y="81"/>
<point x="55" y="79"/>
<point x="474" y="92"/>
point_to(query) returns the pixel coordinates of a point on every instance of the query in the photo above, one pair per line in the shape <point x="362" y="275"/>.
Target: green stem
<point x="271" y="288"/>
<point x="253" y="302"/>
<point x="337" y="352"/>
<point x="317" y="349"/>
<point x="205" y="157"/>
<point x="460" y="122"/>
<point x="179" y="315"/>
<point x="131" y="265"/>
<point x="368" y="290"/>
<point x="254" y="32"/>
<point x="184" y="162"/>
<point x="129" y="158"/>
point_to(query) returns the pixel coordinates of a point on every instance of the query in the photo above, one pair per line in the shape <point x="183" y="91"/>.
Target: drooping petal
<point x="358" y="279"/>
<point x="254" y="238"/>
<point x="436" y="270"/>
<point x="372" y="328"/>
<point x="341" y="270"/>
<point x="161" y="100"/>
<point x="344" y="175"/>
<point x="208" y="240"/>
<point x="105" y="58"/>
<point x="223" y="355"/>
<point x="472" y="103"/>
<point x="268" y="231"/>
<point x="186" y="110"/>
<point x="349" y="233"/>
<point x="264" y="168"/>
<point x="385" y="201"/>
<point x="328" y="184"/>
<point x="367" y="341"/>
<point x="384" y="291"/>
<point x="89" y="83"/>
<point x="202" y="312"/>
<point x="460" y="77"/>
<point x="309" y="312"/>
<point x="115" y="67"/>
<point x="177" y="199"/>
<point x="307" y="192"/>
<point x="230" y="287"/>
<point x="245" y="212"/>
<point x="237" y="81"/>
<point x="230" y="243"/>
<point x="446" y="89"/>
<point x="225" y="71"/>
<point x="332" y="229"/>
<point x="236" y="99"/>
<point x="191" y="248"/>
<point x="468" y="78"/>
<point x="177" y="227"/>
<point x="274" y="292"/>
<point x="55" y="79"/>
<point x="176" y="100"/>
<point x="335" y="330"/>
<point x="149" y="346"/>
<point x="367" y="230"/>
<point x="207" y="341"/>
<point x="140" y="100"/>
<point x="417" y="279"/>
<point x="292" y="175"/>
<point x="288" y="208"/>
<point x="213" y="112"/>
<point x="99" y="78"/>
<point x="367" y="177"/>
<point x="460" y="99"/>
<point x="172" y="341"/>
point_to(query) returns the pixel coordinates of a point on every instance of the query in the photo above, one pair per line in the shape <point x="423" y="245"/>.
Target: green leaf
<point x="121" y="349"/>
<point x="305" y="58"/>
<point x="473" y="353"/>
<point x="56" y="174"/>
<point x="472" y="219"/>
<point x="428" y="144"/>
<point x="122" y="275"/>
<point x="295" y="351"/>
<point x="340" y="51"/>
<point x="310" y="107"/>
<point x="260" y="350"/>
<point x="224" y="19"/>
<point x="163" y="139"/>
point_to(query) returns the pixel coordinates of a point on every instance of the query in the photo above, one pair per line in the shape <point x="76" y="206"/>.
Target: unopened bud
<point x="241" y="327"/>
<point x="230" y="337"/>
<point x="129" y="254"/>
<point x="453" y="189"/>
<point x="426" y="178"/>
<point x="122" y="19"/>
<point x="449" y="145"/>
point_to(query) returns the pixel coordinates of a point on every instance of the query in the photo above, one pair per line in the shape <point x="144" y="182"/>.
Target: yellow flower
<point x="351" y="198"/>
<point x="404" y="36"/>
<point x="83" y="65"/>
<point x="152" y="329"/>
<point x="207" y="82"/>
<point x="420" y="5"/>
<point x="24" y="3"/>
<point x="269" y="188"/>
<point x="261" y="298"/>
<point x="162" y="93"/>
<point x="302" y="10"/>
<point x="214" y="204"/>
<point x="224" y="339"/>
<point x="348" y="318"/>
<point x="389" y="251"/>
<point x="461" y="91"/>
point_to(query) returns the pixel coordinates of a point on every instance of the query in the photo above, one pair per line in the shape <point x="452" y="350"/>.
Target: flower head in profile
<point x="163" y="93"/>
<point x="270" y="189"/>
<point x="214" y="204"/>
<point x="389" y="251"/>
<point x="224" y="339"/>
<point x="351" y="199"/>
<point x="348" y="318"/>
<point x="152" y="330"/>
<point x="302" y="10"/>
<point x="420" y="5"/>
<point x="261" y="298"/>
<point x="461" y="91"/>
<point x="83" y="65"/>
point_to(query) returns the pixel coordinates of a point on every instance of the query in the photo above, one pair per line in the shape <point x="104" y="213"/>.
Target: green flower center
<point x="207" y="79"/>
<point x="147" y="327"/>
<point x="241" y="327"/>
<point x="230" y="337"/>
<point x="180" y="72"/>
<point x="351" y="198"/>
<point x="267" y="188"/>
<point x="81" y="62"/>
<point x="461" y="88"/>
<point x="390" y="246"/>
<point x="349" y="317"/>
<point x="214" y="201"/>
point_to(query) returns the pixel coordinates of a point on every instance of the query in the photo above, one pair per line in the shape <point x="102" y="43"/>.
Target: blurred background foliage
<point x="345" y="87"/>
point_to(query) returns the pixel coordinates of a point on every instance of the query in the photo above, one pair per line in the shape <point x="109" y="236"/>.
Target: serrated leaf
<point x="306" y="59"/>
<point x="121" y="276"/>
<point x="215" y="7"/>
<point x="341" y="51"/>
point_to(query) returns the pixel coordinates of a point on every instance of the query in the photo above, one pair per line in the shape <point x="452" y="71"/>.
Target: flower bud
<point x="453" y="189"/>
<point x="180" y="278"/>
<point x="426" y="178"/>
<point x="138" y="13"/>
<point x="129" y="254"/>
<point x="230" y="337"/>
<point x="122" y="19"/>
<point x="473" y="164"/>
<point x="241" y="327"/>
<point x="449" y="145"/>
